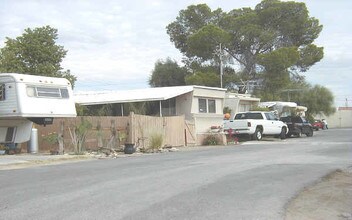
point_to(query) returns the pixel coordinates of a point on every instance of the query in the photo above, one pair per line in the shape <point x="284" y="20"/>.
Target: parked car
<point x="298" y="125"/>
<point x="318" y="124"/>
<point x="256" y="124"/>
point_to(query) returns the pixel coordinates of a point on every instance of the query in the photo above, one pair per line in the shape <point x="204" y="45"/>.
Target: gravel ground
<point x="330" y="198"/>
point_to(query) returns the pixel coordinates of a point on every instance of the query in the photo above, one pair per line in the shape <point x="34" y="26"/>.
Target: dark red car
<point x="318" y="124"/>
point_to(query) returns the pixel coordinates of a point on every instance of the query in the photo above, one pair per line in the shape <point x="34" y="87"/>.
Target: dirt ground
<point x="329" y="199"/>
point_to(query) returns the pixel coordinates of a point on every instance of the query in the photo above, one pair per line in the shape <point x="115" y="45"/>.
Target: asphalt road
<point x="254" y="180"/>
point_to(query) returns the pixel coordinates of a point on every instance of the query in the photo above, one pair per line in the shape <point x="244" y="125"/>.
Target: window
<point x="2" y="92"/>
<point x="211" y="106"/>
<point x="64" y="93"/>
<point x="270" y="116"/>
<point x="297" y="120"/>
<point x="207" y="105"/>
<point x="202" y="105"/>
<point x="10" y="134"/>
<point x="249" y="116"/>
<point x="50" y="92"/>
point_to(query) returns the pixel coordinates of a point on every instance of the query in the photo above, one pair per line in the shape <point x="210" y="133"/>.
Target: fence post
<point x="130" y="128"/>
<point x="99" y="134"/>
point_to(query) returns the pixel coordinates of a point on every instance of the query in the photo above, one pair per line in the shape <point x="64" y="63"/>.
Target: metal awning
<point x="125" y="96"/>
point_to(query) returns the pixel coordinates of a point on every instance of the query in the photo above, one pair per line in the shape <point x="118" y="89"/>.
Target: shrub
<point x="211" y="139"/>
<point x="51" y="138"/>
<point x="155" y="141"/>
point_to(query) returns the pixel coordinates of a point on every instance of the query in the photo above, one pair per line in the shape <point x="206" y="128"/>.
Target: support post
<point x="221" y="69"/>
<point x="60" y="138"/>
<point x="160" y="109"/>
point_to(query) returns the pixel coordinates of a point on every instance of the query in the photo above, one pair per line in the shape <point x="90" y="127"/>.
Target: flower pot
<point x="129" y="149"/>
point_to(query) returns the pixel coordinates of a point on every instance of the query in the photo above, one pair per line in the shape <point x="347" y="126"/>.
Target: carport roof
<point x="137" y="95"/>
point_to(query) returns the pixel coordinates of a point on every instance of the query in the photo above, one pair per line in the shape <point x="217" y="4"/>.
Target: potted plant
<point x="129" y="148"/>
<point x="3" y="149"/>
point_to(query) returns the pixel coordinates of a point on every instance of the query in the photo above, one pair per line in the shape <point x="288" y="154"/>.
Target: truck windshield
<point x="249" y="115"/>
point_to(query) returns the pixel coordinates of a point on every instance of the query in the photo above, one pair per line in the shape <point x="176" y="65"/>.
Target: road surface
<point x="254" y="180"/>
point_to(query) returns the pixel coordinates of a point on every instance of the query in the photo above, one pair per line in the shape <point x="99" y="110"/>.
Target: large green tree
<point x="318" y="99"/>
<point x="35" y="52"/>
<point x="167" y="73"/>
<point x="248" y="35"/>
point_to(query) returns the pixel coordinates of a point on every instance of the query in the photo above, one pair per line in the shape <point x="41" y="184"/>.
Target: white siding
<point x="203" y="121"/>
<point x="23" y="129"/>
<point x="45" y="107"/>
<point x="18" y="104"/>
<point x="9" y="106"/>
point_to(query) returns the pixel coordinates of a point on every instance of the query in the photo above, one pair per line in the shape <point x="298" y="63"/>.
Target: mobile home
<point x="25" y="99"/>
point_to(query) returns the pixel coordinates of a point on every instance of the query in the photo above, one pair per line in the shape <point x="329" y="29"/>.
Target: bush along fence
<point x="86" y="133"/>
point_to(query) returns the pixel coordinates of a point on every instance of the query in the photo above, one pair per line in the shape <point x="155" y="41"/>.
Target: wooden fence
<point x="112" y="132"/>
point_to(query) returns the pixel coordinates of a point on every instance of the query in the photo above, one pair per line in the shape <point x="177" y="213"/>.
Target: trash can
<point x="32" y="146"/>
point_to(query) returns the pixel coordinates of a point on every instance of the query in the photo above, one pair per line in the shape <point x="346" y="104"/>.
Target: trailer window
<point x="202" y="105"/>
<point x="207" y="105"/>
<point x="211" y="106"/>
<point x="47" y="92"/>
<point x="2" y="92"/>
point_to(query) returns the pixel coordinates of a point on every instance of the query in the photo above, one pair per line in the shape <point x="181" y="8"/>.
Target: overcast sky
<point x="113" y="45"/>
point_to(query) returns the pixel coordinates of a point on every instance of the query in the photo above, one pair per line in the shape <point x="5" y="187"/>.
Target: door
<point x="273" y="124"/>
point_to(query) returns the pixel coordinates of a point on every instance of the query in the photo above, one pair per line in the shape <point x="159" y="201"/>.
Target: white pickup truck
<point x="256" y="124"/>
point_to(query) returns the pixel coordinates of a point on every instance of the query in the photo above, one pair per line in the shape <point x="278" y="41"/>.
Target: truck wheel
<point x="283" y="133"/>
<point x="310" y="133"/>
<point x="258" y="134"/>
<point x="299" y="133"/>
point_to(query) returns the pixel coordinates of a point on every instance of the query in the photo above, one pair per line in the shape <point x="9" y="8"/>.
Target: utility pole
<point x="221" y="70"/>
<point x="291" y="90"/>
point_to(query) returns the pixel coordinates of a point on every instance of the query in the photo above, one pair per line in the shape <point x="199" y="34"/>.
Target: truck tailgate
<point x="236" y="124"/>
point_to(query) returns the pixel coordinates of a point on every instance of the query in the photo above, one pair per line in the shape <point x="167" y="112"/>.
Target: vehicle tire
<point x="299" y="134"/>
<point x="310" y="133"/>
<point x="283" y="133"/>
<point x="258" y="134"/>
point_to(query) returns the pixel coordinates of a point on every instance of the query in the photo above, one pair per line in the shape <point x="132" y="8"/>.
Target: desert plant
<point x="3" y="147"/>
<point x="122" y="136"/>
<point x="99" y="135"/>
<point x="211" y="139"/>
<point x="78" y="135"/>
<point x="51" y="138"/>
<point x="155" y="141"/>
<point x="227" y="110"/>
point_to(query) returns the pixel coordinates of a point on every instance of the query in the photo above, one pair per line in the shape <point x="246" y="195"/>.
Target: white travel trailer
<point x="25" y="99"/>
<point x="284" y="108"/>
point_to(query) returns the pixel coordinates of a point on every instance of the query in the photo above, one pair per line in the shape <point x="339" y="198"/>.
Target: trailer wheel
<point x="258" y="135"/>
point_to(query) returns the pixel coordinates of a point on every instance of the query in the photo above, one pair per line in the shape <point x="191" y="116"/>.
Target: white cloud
<point x="111" y="42"/>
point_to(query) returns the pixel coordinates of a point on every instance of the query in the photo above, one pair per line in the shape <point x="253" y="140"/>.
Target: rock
<point x="173" y="149"/>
